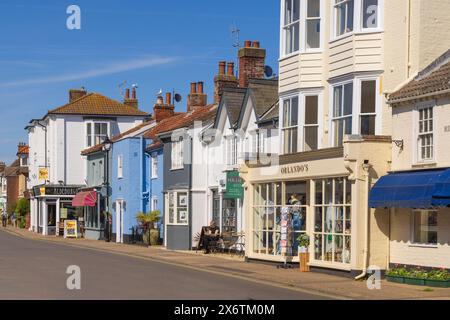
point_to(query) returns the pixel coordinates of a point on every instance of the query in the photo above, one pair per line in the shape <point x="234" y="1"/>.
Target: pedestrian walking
<point x="4" y="218"/>
<point x="14" y="220"/>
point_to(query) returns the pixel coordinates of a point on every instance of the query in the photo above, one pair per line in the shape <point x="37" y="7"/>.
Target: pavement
<point x="185" y="274"/>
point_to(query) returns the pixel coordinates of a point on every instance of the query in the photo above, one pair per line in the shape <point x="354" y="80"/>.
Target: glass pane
<point x="287" y="12"/>
<point x="340" y="19"/>
<point x="339" y="222"/>
<point x="318" y="247"/>
<point x="338" y="132"/>
<point x="286" y="113"/>
<point x="290" y="140"/>
<point x="296" y="10"/>
<point x="348" y="99"/>
<point x="337" y="101"/>
<point x="313" y="34"/>
<point x="182" y="215"/>
<point x="278" y="193"/>
<point x="370" y="13"/>
<point x="299" y="220"/>
<point x="347" y="250"/>
<point x="339" y="191"/>
<point x="348" y="125"/>
<point x="368" y="96"/>
<point x="311" y="138"/>
<point x="257" y="241"/>
<point x="348" y="191"/>
<point x="182" y="200"/>
<point x="296" y="193"/>
<point x="319" y="192"/>
<point x="171" y="198"/>
<point x="425" y="227"/>
<point x="311" y="109"/>
<point x="328" y="247"/>
<point x="338" y="248"/>
<point x="171" y="216"/>
<point x="257" y="199"/>
<point x="328" y="223"/>
<point x="328" y="191"/>
<point x="368" y="125"/>
<point x="294" y="112"/>
<point x="89" y="128"/>
<point x="229" y="215"/>
<point x="313" y="8"/>
<point x="270" y="241"/>
<point x="318" y="220"/>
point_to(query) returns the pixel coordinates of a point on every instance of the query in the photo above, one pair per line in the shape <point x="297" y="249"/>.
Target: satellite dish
<point x="178" y="97"/>
<point x="268" y="71"/>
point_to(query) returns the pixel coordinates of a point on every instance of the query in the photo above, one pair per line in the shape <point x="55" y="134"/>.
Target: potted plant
<point x="396" y="275"/>
<point x="438" y="278"/>
<point x="434" y="278"/>
<point x="148" y="221"/>
<point x="303" y="245"/>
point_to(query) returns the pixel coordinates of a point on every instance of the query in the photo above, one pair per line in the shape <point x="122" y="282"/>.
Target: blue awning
<point x="412" y="189"/>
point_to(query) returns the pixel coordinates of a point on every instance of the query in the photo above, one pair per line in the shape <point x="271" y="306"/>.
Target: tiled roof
<point x="15" y="169"/>
<point x="233" y="98"/>
<point x="97" y="104"/>
<point x="272" y="113"/>
<point x="99" y="146"/>
<point x="264" y="93"/>
<point x="434" y="80"/>
<point x="185" y="120"/>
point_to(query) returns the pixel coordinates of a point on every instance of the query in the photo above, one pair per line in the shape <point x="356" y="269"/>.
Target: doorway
<point x="51" y="219"/>
<point x="119" y="221"/>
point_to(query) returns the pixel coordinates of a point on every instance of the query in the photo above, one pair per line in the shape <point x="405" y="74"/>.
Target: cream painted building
<point x="420" y="217"/>
<point x="338" y="61"/>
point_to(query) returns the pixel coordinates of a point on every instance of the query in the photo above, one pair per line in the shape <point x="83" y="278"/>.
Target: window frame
<point x="177" y="154"/>
<point x="154" y="166"/>
<point x="413" y="241"/>
<point x="120" y="166"/>
<point x="291" y="127"/>
<point x="417" y="147"/>
<point x="231" y="151"/>
<point x="175" y="207"/>
<point x="284" y="27"/>
<point x="92" y="135"/>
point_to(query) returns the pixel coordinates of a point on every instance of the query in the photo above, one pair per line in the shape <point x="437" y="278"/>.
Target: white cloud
<point x="114" y="68"/>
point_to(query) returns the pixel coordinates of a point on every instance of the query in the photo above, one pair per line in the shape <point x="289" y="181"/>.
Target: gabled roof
<point x="135" y="131"/>
<point x="271" y="114"/>
<point x="264" y="94"/>
<point x="203" y="114"/>
<point x="97" y="104"/>
<point x="432" y="81"/>
<point x="232" y="99"/>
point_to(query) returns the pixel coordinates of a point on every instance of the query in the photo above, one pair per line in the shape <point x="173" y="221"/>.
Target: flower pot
<point x="437" y="283"/>
<point x="396" y="279"/>
<point x="304" y="260"/>
<point x="154" y="237"/>
<point x="415" y="282"/>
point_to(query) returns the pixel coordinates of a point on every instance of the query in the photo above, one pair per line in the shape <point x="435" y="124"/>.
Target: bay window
<point x="96" y="133"/>
<point x="177" y="208"/>
<point x="425" y="137"/>
<point x="291" y="26"/>
<point x="344" y="16"/>
<point x="290" y="125"/>
<point x="425" y="227"/>
<point x="342" y="112"/>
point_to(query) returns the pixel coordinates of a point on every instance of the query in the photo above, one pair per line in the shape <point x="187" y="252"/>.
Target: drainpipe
<point x="366" y="167"/>
<point x="408" y="66"/>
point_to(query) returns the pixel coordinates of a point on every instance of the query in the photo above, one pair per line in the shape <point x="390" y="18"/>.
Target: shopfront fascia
<point x="52" y="204"/>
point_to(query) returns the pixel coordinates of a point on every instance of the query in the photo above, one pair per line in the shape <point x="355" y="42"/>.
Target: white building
<point x="57" y="169"/>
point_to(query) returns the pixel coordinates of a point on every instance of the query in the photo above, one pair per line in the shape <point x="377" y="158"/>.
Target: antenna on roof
<point x="235" y="35"/>
<point x="120" y="87"/>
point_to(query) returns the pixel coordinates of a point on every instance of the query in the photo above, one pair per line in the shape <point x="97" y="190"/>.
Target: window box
<point x="414" y="282"/>
<point x="419" y="282"/>
<point x="437" y="283"/>
<point x="396" y="279"/>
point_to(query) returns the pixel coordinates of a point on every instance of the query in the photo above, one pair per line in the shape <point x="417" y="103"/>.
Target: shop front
<point x="325" y="195"/>
<point x="51" y="205"/>
<point x="93" y="205"/>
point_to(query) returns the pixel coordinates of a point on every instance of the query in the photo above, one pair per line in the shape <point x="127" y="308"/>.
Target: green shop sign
<point x="234" y="186"/>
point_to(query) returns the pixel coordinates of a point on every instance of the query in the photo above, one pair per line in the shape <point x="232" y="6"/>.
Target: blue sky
<point x="155" y="43"/>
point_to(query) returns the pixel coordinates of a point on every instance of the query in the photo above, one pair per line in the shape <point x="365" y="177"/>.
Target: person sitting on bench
<point x="211" y="234"/>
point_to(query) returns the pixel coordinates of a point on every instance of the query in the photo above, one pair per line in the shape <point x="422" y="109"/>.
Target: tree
<point x="22" y="209"/>
<point x="147" y="221"/>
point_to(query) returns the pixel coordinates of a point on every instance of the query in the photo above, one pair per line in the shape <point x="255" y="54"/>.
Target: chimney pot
<point x="127" y="94"/>
<point x="75" y="94"/>
<point x="193" y="87"/>
<point x="230" y="68"/>
<point x="256" y="44"/>
<point x="134" y="93"/>
<point x="168" y="98"/>
<point x="247" y="44"/>
<point x="222" y="65"/>
<point x="200" y="87"/>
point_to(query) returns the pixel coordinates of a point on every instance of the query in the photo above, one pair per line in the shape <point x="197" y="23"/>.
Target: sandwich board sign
<point x="70" y="228"/>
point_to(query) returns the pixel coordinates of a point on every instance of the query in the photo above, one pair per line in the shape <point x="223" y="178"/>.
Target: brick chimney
<point x="75" y="94"/>
<point x="2" y="166"/>
<point x="252" y="60"/>
<point x="133" y="101"/>
<point x="197" y="97"/>
<point x="224" y="80"/>
<point x="163" y="110"/>
<point x="22" y="148"/>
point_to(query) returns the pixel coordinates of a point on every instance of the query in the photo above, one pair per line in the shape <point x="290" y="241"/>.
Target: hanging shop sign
<point x="234" y="188"/>
<point x="70" y="228"/>
<point x="43" y="174"/>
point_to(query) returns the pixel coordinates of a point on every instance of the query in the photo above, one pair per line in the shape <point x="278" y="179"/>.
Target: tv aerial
<point x="120" y="87"/>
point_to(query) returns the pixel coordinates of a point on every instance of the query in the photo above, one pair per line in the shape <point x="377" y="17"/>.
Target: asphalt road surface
<point x="37" y="270"/>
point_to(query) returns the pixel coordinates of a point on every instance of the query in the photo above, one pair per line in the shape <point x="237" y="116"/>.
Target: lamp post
<point x="107" y="144"/>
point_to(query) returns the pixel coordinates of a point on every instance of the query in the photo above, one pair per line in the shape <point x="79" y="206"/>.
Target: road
<point x="32" y="269"/>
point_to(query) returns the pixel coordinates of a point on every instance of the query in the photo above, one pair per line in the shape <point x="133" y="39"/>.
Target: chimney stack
<point x="2" y="166"/>
<point x="75" y="94"/>
<point x="163" y="110"/>
<point x="197" y="98"/>
<point x="224" y="80"/>
<point x="133" y="101"/>
<point x="252" y="61"/>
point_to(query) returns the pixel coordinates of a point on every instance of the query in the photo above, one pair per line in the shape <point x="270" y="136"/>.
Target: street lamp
<point x="107" y="144"/>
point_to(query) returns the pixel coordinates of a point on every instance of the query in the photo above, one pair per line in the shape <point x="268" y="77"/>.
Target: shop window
<point x="368" y="107"/>
<point x="291" y="26"/>
<point x="425" y="227"/>
<point x="177" y="208"/>
<point x="290" y="125"/>
<point x="343" y="15"/>
<point x="229" y="215"/>
<point x="332" y="220"/>
<point x="425" y="137"/>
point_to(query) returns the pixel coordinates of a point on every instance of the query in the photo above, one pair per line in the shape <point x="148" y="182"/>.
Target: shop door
<point x="119" y="222"/>
<point x="51" y="219"/>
